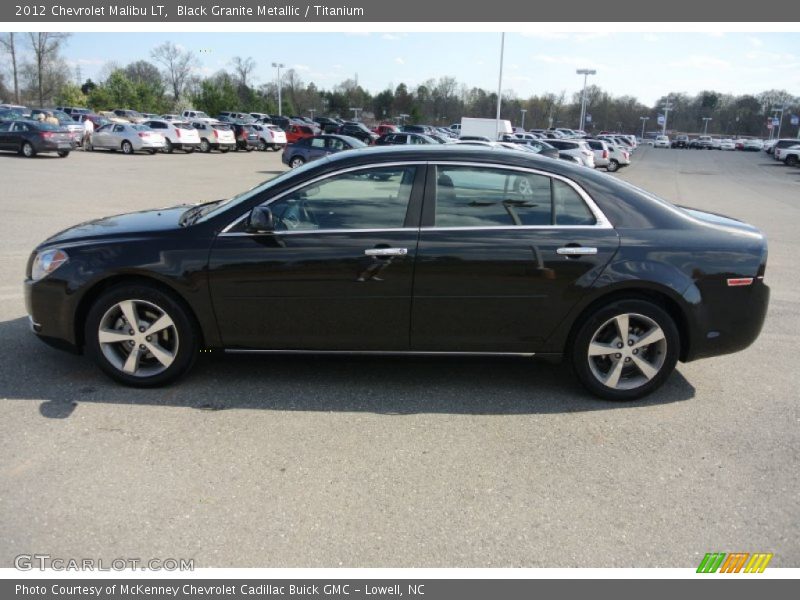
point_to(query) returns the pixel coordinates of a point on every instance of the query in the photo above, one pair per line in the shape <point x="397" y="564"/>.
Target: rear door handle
<point x="576" y="251"/>
<point x="386" y="251"/>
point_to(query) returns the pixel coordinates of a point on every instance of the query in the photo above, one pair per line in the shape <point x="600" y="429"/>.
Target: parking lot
<point x="302" y="461"/>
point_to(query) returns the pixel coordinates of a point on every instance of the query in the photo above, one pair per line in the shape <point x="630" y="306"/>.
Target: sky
<point x="644" y="65"/>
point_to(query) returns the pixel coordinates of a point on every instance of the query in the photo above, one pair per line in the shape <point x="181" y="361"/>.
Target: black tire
<point x="151" y="152"/>
<point x="188" y="339"/>
<point x="262" y="145"/>
<point x="791" y="160"/>
<point x="63" y="153"/>
<point x="249" y="148"/>
<point x="613" y="165"/>
<point x="188" y="149"/>
<point x="168" y="147"/>
<point x="224" y="149"/>
<point x="126" y="147"/>
<point x="665" y="352"/>
<point x="296" y="161"/>
<point x="205" y="146"/>
<point x="27" y="150"/>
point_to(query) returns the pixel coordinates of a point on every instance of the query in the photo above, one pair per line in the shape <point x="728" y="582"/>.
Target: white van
<point x="491" y="129"/>
<point x="196" y="115"/>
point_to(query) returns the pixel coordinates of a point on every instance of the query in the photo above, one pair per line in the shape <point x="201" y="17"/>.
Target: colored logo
<point x="735" y="562"/>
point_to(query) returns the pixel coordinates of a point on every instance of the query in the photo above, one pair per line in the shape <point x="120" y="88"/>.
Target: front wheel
<point x="613" y="165"/>
<point x="625" y="350"/>
<point x="791" y="160"/>
<point x="297" y="161"/>
<point x="262" y="145"/>
<point x="168" y="147"/>
<point x="63" y="153"/>
<point x="127" y="147"/>
<point x="28" y="151"/>
<point x="141" y="336"/>
<point x="205" y="146"/>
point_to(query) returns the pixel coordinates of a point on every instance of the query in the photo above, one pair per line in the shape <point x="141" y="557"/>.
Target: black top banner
<point x="438" y="11"/>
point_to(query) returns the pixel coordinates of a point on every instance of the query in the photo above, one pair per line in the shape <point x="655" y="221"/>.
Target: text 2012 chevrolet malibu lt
<point x="426" y="249"/>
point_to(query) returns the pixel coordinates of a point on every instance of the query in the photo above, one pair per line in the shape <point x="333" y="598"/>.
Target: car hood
<point x="144" y="222"/>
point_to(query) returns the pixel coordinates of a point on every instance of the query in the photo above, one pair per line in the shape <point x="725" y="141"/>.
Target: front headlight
<point x="46" y="262"/>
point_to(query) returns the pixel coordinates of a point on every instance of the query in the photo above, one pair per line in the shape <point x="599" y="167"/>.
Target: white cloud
<point x="301" y="67"/>
<point x="700" y="62"/>
<point x="399" y="61"/>
<point x="755" y="42"/>
<point x="357" y="33"/>
<point x="575" y="61"/>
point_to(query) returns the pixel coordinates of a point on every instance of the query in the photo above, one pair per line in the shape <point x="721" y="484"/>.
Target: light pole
<point x="312" y="111"/>
<point x="523" y="111"/>
<point x="499" y="87"/>
<point x="585" y="73"/>
<point x="666" y="107"/>
<point x="644" y="120"/>
<point x="279" y="66"/>
<point x="779" y="109"/>
<point x="705" y="124"/>
<point x="355" y="112"/>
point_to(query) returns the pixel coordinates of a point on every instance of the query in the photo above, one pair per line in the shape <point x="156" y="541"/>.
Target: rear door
<point x="337" y="272"/>
<point x="504" y="254"/>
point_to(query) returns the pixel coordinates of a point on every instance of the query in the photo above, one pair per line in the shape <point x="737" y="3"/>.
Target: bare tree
<point x="243" y="67"/>
<point x="178" y="65"/>
<point x="9" y="45"/>
<point x="46" y="46"/>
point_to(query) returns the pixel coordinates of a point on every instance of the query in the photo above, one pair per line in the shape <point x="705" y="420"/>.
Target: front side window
<point x="489" y="197"/>
<point x="375" y="198"/>
<point x="317" y="142"/>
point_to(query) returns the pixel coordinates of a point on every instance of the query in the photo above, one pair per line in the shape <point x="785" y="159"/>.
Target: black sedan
<point x="30" y="138"/>
<point x="443" y="249"/>
<point x="311" y="148"/>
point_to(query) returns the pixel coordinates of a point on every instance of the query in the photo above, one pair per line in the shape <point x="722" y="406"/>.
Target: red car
<point x="385" y="128"/>
<point x="296" y="133"/>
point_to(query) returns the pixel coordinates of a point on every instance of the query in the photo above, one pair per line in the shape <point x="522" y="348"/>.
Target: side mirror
<point x="260" y="220"/>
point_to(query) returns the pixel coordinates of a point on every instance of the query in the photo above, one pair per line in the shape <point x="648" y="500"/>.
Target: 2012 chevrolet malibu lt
<point x="416" y="249"/>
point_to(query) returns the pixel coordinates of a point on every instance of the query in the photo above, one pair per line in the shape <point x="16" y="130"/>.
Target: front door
<point x="503" y="255"/>
<point x="336" y="272"/>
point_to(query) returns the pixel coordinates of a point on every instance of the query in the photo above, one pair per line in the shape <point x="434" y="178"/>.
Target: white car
<point x="196" y="115"/>
<point x="270" y="137"/>
<point x="727" y="144"/>
<point x="610" y="155"/>
<point x="577" y="148"/>
<point x="791" y="155"/>
<point x="177" y="135"/>
<point x="781" y="152"/>
<point x="753" y="145"/>
<point x="602" y="153"/>
<point x="662" y="141"/>
<point x="215" y="136"/>
<point x="127" y="137"/>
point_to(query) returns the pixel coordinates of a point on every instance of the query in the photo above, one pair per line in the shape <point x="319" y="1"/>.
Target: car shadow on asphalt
<point x="346" y="383"/>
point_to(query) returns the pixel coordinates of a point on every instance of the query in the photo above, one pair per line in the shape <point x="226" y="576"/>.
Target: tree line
<point x="170" y="80"/>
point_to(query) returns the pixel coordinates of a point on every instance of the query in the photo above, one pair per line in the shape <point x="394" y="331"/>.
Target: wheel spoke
<point x="162" y="356"/>
<point x="621" y="322"/>
<point x="162" y="323"/>
<point x="132" y="362"/>
<point x="648" y="370"/>
<point x="612" y="379"/>
<point x="111" y="336"/>
<point x="598" y="349"/>
<point x="652" y="336"/>
<point x="129" y="311"/>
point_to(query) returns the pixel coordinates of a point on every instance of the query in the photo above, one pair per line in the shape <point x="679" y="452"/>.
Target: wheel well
<point x="659" y="298"/>
<point x="101" y="286"/>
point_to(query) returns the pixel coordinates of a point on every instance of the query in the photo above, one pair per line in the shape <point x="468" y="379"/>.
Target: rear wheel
<point x="141" y="336"/>
<point x="28" y="150"/>
<point x="262" y="145"/>
<point x="127" y="147"/>
<point x="625" y="350"/>
<point x="613" y="165"/>
<point x="168" y="147"/>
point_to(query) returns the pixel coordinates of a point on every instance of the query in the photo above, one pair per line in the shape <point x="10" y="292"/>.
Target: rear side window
<point x="487" y="197"/>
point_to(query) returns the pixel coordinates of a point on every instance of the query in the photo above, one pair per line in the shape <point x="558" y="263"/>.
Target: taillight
<point x="47" y="134"/>
<point x="143" y="134"/>
<point x="605" y="153"/>
<point x="216" y="135"/>
<point x="177" y="132"/>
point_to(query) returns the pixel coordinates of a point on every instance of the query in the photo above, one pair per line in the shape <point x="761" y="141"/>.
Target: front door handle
<point x="386" y="251"/>
<point x="576" y="251"/>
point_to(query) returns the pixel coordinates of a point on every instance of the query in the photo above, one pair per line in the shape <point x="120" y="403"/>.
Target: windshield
<point x="212" y="208"/>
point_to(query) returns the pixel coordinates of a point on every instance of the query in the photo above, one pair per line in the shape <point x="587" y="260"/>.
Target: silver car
<point x="127" y="137"/>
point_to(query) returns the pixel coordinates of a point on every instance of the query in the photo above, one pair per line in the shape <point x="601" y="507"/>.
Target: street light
<point x="312" y="111"/>
<point x="499" y="88"/>
<point x="523" y="111"/>
<point x="585" y="73"/>
<point x="667" y="107"/>
<point x="705" y="124"/>
<point x="644" y="121"/>
<point x="779" y="109"/>
<point x="279" y="66"/>
<point x="355" y="112"/>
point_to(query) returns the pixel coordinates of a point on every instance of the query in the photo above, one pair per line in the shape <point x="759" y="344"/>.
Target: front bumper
<point x="50" y="313"/>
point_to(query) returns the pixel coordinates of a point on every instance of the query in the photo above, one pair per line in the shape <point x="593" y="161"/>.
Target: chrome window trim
<point x="602" y="221"/>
